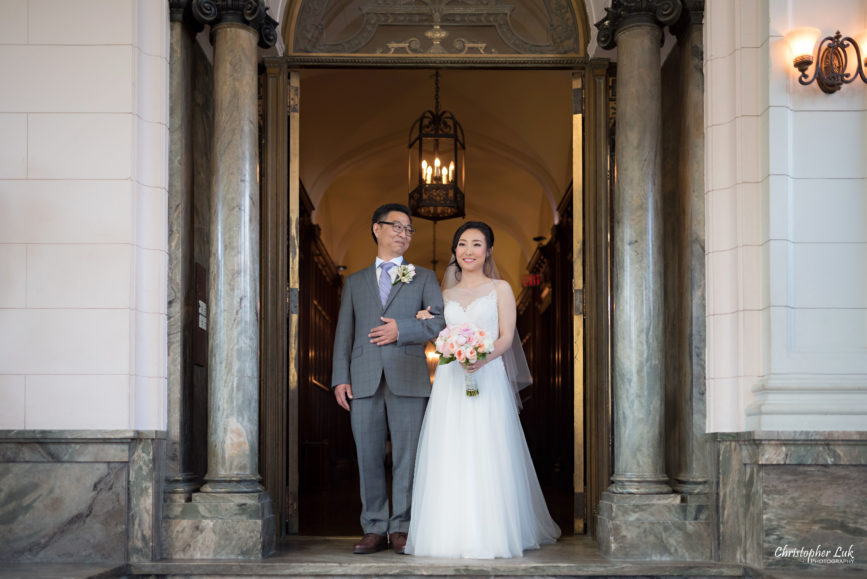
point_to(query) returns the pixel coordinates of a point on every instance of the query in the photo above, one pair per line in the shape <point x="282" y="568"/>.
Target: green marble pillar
<point x="180" y="480"/>
<point x="639" y="461"/>
<point x="233" y="377"/>
<point x="640" y="517"/>
<point x="691" y="477"/>
<point x="231" y="516"/>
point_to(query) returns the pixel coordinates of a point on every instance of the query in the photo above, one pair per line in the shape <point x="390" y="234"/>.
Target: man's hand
<point x="343" y="393"/>
<point x="384" y="334"/>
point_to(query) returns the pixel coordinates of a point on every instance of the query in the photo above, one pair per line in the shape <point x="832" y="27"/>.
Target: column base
<point x="687" y="486"/>
<point x="219" y="526"/>
<point x="180" y="489"/>
<point x="634" y="484"/>
<point x="232" y="485"/>
<point x="654" y="527"/>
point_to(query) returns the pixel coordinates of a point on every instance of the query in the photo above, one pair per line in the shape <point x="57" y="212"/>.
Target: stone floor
<point x="332" y="557"/>
<point x="60" y="571"/>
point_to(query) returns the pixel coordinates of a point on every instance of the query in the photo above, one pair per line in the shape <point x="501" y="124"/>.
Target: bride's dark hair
<point x="489" y="243"/>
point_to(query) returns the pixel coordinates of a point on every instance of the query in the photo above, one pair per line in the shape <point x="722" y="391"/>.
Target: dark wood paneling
<point x="329" y="502"/>
<point x="545" y="326"/>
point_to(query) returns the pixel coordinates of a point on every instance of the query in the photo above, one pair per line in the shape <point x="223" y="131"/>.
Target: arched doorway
<point x="311" y="59"/>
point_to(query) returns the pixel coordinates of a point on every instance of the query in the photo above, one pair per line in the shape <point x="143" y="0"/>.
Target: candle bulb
<point x="437" y="163"/>
<point x="428" y="174"/>
<point x="424" y="167"/>
<point x="451" y="171"/>
<point x="445" y="175"/>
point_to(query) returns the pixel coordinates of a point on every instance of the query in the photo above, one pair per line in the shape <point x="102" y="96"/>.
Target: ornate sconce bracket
<point x="832" y="62"/>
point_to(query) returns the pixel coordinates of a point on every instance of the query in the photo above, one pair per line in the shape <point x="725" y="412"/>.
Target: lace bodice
<point x="476" y="305"/>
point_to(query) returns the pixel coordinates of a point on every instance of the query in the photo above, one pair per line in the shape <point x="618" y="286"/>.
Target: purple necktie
<point x="384" y="281"/>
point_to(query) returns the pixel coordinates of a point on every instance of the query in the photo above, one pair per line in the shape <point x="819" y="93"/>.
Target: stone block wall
<point x="72" y="496"/>
<point x="793" y="500"/>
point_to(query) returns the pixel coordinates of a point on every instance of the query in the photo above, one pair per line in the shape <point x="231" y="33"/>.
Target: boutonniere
<point x="405" y="273"/>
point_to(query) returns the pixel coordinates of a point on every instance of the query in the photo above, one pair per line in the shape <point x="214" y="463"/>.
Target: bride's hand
<point x="475" y="366"/>
<point x="424" y="314"/>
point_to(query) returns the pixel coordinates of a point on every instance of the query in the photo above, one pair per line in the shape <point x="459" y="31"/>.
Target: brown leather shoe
<point x="370" y="543"/>
<point x="398" y="542"/>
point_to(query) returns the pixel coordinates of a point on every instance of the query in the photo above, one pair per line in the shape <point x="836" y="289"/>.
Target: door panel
<point x="328" y="498"/>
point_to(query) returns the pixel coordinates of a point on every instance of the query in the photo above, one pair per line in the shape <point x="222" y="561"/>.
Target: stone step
<point x="576" y="556"/>
<point x="320" y="557"/>
<point x="476" y="569"/>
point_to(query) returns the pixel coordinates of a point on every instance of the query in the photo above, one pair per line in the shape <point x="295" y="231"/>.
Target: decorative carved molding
<point x="623" y="13"/>
<point x="253" y="13"/>
<point x="427" y="61"/>
<point x="440" y="16"/>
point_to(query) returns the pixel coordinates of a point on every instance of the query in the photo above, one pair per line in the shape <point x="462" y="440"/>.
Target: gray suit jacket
<point x="358" y="362"/>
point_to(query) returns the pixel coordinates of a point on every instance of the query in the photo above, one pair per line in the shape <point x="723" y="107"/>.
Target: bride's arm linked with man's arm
<point x="417" y="330"/>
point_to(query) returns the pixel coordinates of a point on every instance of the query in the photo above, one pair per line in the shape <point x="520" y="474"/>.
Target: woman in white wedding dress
<point x="475" y="491"/>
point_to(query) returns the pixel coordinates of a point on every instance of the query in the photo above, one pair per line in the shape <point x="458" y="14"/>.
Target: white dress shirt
<point x="393" y="273"/>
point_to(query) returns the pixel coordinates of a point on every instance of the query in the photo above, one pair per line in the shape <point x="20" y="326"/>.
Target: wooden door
<point x="546" y="327"/>
<point x="328" y="498"/>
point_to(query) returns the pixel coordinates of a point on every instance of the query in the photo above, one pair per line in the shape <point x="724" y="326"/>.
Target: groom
<point x="380" y="372"/>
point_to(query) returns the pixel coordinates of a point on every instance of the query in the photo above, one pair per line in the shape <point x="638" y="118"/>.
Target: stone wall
<point x="784" y="494"/>
<point x="80" y="496"/>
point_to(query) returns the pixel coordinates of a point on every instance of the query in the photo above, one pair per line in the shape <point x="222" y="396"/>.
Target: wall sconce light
<point x="832" y="58"/>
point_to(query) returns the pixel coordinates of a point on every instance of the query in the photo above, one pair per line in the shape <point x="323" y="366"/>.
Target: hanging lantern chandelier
<point x="436" y="163"/>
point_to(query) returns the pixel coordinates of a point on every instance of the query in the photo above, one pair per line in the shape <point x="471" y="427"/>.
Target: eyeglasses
<point x="399" y="227"/>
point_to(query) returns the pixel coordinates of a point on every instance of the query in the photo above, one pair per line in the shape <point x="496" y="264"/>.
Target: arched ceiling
<point x="354" y="132"/>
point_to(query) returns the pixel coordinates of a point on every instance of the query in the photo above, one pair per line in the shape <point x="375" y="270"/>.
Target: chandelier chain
<point x="437" y="92"/>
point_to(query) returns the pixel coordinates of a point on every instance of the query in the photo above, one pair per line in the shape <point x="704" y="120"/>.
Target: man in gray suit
<point x="380" y="373"/>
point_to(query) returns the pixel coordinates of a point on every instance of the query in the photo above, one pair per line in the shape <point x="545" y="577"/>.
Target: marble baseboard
<point x="793" y="500"/>
<point x="79" y="496"/>
<point x="822" y="509"/>
<point x="654" y="528"/>
<point x="60" y="512"/>
<point x="219" y="526"/>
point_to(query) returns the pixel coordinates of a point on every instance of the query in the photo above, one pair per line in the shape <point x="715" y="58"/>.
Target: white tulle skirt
<point x="475" y="492"/>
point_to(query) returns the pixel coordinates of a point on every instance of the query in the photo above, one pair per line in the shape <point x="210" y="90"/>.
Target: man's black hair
<point x="384" y="210"/>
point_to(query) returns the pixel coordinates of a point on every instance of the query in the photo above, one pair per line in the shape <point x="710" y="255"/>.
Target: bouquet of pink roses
<point x="465" y="343"/>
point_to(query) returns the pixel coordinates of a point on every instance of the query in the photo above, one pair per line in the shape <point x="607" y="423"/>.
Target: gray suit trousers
<point x="403" y="416"/>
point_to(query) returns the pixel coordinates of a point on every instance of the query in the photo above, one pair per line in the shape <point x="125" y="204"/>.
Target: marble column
<point x="180" y="480"/>
<point x="233" y="284"/>
<point x="231" y="516"/>
<point x="636" y="255"/>
<point x="692" y="475"/>
<point x="639" y="516"/>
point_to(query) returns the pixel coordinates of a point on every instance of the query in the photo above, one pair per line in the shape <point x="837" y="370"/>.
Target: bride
<point x="475" y="491"/>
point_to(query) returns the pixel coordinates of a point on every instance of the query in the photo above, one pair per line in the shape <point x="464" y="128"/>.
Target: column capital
<point x="692" y="15"/>
<point x="253" y="13"/>
<point x="182" y="11"/>
<point x="624" y="13"/>
<point x="695" y="9"/>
